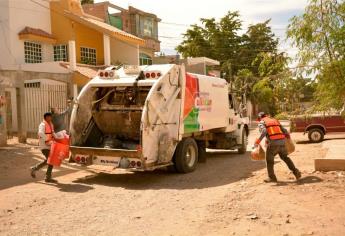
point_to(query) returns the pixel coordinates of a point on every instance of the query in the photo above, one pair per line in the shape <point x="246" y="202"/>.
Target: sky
<point x="177" y="15"/>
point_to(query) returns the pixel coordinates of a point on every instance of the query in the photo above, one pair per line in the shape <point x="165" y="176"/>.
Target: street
<point x="225" y="196"/>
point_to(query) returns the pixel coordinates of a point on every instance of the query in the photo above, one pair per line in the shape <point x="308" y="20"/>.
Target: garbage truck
<point x="149" y="117"/>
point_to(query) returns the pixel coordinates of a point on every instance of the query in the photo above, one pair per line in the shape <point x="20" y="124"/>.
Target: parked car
<point x="318" y="125"/>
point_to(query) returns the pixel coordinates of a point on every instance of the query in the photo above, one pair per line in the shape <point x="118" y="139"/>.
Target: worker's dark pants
<point x="272" y="151"/>
<point x="43" y="163"/>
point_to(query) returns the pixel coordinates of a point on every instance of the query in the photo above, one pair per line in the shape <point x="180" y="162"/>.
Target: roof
<point x="141" y="12"/>
<point x="36" y="34"/>
<point x="105" y="28"/>
<point x="88" y="71"/>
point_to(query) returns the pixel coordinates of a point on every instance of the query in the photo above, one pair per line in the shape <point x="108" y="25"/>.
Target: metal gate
<point x="40" y="97"/>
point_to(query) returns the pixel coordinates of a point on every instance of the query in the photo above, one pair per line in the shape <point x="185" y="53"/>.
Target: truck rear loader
<point x="148" y="117"/>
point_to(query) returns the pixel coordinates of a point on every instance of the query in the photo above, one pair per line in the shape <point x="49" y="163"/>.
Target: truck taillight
<point x="153" y="74"/>
<point x="107" y="74"/>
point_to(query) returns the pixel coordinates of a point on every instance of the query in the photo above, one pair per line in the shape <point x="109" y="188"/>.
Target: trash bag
<point x="258" y="154"/>
<point x="290" y="145"/>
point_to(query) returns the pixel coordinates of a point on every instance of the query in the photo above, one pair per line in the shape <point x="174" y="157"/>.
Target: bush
<point x="282" y="116"/>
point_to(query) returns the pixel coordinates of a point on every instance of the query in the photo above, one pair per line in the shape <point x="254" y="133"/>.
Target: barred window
<point x="88" y="56"/>
<point x="60" y="52"/>
<point x="33" y="52"/>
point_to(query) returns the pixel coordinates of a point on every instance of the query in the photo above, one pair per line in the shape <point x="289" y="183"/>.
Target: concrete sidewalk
<point x="335" y="156"/>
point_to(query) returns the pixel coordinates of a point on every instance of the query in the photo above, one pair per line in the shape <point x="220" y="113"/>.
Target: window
<point x="33" y="52"/>
<point x="145" y="59"/>
<point x="148" y="27"/>
<point x="60" y="52"/>
<point x="88" y="56"/>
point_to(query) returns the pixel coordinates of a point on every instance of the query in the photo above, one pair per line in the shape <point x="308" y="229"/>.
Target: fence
<point x="40" y="97"/>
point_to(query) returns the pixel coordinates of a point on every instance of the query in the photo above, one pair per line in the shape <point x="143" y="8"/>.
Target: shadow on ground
<point x="15" y="162"/>
<point x="69" y="188"/>
<point x="222" y="168"/>
<point x="305" y="180"/>
<point x="326" y="139"/>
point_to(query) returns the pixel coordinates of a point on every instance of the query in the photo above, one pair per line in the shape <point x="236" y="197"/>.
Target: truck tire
<point x="186" y="156"/>
<point x="202" y="155"/>
<point x="243" y="148"/>
<point x="315" y="135"/>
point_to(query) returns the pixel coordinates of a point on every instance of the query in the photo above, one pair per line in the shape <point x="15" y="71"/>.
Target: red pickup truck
<point x="318" y="125"/>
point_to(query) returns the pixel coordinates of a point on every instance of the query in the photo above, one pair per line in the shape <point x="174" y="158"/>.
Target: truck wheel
<point x="186" y="156"/>
<point x="315" y="135"/>
<point x="243" y="148"/>
<point x="202" y="155"/>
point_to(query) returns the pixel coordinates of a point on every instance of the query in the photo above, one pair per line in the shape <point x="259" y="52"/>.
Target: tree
<point x="319" y="35"/>
<point x="251" y="61"/>
<point x="87" y="2"/>
<point x="216" y="40"/>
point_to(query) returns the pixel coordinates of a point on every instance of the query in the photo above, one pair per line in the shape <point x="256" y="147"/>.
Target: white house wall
<point x="15" y="16"/>
<point x="124" y="53"/>
<point x="5" y="39"/>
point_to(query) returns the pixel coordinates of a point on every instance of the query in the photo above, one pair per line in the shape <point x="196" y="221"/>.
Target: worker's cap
<point x="261" y="115"/>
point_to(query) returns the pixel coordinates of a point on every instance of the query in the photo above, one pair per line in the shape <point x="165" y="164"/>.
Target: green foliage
<point x="282" y="116"/>
<point x="250" y="61"/>
<point x="319" y="36"/>
<point x="331" y="86"/>
<point x="87" y="2"/>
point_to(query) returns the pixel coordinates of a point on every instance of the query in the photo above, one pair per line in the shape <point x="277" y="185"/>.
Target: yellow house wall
<point x="64" y="29"/>
<point x="121" y="52"/>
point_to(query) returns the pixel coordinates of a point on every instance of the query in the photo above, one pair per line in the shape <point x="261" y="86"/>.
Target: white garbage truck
<point x="148" y="117"/>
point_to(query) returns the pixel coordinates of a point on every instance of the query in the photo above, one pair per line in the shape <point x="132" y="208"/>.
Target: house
<point x="49" y="50"/>
<point x="132" y="20"/>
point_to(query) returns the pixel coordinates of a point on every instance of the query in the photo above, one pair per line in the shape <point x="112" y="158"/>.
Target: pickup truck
<point x="317" y="126"/>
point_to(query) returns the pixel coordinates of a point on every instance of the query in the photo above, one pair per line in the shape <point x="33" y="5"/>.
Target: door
<point x="40" y="97"/>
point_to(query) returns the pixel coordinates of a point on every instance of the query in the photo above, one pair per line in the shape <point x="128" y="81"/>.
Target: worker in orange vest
<point x="275" y="134"/>
<point x="46" y="138"/>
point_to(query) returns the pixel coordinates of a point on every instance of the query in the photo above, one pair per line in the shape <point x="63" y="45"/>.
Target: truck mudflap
<point x="118" y="158"/>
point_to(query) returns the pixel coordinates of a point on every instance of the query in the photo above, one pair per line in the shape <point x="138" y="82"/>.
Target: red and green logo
<point x="191" y="112"/>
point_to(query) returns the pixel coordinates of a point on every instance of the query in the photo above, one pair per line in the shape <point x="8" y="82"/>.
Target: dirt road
<point x="225" y="196"/>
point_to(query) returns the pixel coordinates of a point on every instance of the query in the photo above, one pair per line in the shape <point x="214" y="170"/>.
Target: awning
<point x="105" y="28"/>
<point x="83" y="73"/>
<point x="200" y="60"/>
<point x="37" y="35"/>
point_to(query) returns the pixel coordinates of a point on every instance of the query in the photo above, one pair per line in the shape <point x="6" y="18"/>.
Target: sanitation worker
<point x="46" y="137"/>
<point x="58" y="118"/>
<point x="275" y="134"/>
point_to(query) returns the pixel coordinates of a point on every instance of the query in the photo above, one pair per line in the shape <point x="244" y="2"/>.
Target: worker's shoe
<point x="50" y="180"/>
<point x="271" y="180"/>
<point x="297" y="174"/>
<point x="33" y="172"/>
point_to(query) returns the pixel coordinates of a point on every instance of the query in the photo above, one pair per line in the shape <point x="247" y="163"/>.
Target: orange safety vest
<point x="273" y="128"/>
<point x="49" y="130"/>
